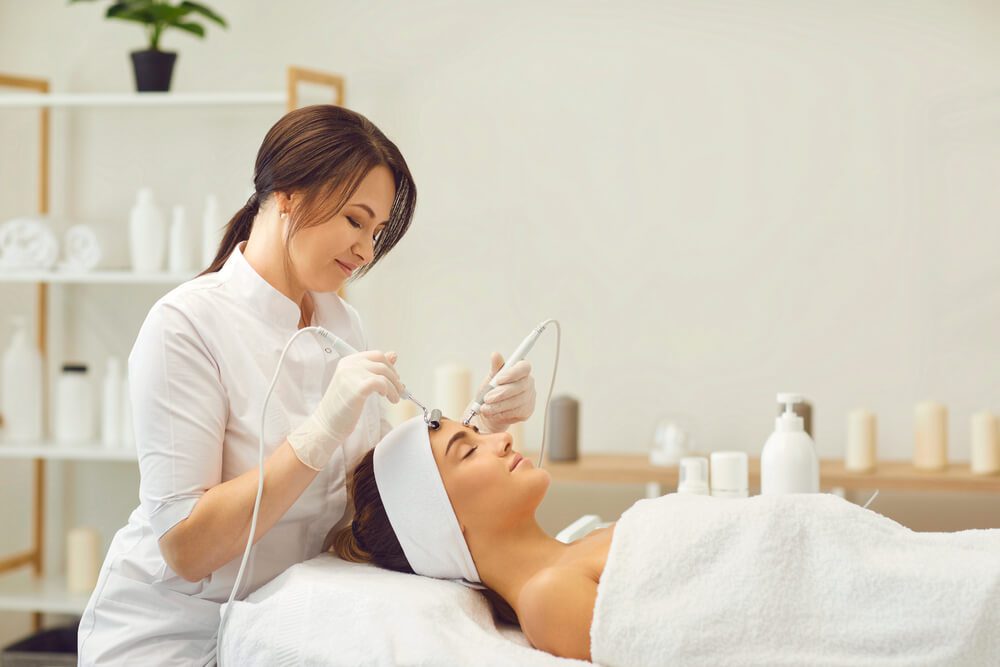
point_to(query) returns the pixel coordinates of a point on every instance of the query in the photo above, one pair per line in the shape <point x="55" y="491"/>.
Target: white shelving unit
<point x="34" y="590"/>
<point x="92" y="278"/>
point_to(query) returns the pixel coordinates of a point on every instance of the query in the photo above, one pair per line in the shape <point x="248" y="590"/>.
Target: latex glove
<point x="357" y="377"/>
<point x="512" y="400"/>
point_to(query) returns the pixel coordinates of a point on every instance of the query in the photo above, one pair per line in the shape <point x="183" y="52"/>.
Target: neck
<point x="259" y="254"/>
<point x="506" y="559"/>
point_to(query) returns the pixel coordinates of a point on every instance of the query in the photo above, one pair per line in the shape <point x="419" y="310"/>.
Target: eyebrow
<point x="368" y="210"/>
<point x="455" y="438"/>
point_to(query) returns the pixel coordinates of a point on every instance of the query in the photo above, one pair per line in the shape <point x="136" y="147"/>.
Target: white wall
<point x="718" y="201"/>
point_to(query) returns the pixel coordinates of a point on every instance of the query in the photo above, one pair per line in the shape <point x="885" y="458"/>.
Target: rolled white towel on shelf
<point x="82" y="249"/>
<point x="27" y="244"/>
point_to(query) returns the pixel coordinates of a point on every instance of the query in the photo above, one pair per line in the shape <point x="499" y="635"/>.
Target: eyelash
<point x="357" y="225"/>
<point x="469" y="453"/>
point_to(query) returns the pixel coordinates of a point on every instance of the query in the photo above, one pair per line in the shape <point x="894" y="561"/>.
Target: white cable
<point x="260" y="491"/>
<point x="552" y="384"/>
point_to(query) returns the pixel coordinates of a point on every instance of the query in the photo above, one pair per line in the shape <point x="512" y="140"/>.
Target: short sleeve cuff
<point x="168" y="514"/>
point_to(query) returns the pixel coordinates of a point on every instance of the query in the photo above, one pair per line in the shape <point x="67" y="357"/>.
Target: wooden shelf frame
<point x="295" y="76"/>
<point x="887" y="476"/>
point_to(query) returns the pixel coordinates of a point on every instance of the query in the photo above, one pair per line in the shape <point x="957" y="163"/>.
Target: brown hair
<point x="323" y="151"/>
<point x="370" y="538"/>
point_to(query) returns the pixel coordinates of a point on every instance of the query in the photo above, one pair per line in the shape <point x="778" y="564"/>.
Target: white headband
<point x="417" y="504"/>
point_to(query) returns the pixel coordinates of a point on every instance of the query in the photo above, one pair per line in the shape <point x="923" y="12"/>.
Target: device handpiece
<point x="520" y="353"/>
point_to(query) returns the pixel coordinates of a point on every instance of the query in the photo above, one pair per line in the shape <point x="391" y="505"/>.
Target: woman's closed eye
<point x="469" y="453"/>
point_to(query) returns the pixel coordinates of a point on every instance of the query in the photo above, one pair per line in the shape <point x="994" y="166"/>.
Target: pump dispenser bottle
<point x="788" y="462"/>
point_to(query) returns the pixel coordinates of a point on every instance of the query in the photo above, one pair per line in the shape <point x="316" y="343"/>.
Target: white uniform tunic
<point x="198" y="373"/>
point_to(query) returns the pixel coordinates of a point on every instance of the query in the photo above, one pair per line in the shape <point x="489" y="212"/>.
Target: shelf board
<point x="22" y="591"/>
<point x="57" y="451"/>
<point x="135" y="99"/>
<point x="115" y="277"/>
<point x="888" y="475"/>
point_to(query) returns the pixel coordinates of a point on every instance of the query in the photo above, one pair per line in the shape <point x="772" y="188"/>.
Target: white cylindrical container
<point x="83" y="560"/>
<point x="21" y="388"/>
<point x="730" y="474"/>
<point x="212" y="230"/>
<point x="693" y="475"/>
<point x="74" y="405"/>
<point x="147" y="234"/>
<point x="931" y="430"/>
<point x="452" y="390"/>
<point x="861" y="441"/>
<point x="111" y="404"/>
<point x="788" y="462"/>
<point x="985" y="444"/>
<point x="127" y="433"/>
<point x="181" y="256"/>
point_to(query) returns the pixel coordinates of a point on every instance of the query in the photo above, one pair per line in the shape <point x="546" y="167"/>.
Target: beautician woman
<point x="332" y="197"/>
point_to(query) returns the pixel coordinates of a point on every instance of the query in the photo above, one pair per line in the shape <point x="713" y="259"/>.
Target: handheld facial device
<point x="519" y="353"/>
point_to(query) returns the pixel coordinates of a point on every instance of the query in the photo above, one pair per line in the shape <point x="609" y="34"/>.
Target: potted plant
<point x="153" y="67"/>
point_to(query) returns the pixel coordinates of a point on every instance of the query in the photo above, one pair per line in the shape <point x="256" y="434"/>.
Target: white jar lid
<point x="730" y="471"/>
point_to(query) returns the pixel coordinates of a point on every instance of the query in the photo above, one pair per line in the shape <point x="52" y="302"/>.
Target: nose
<point x="505" y="442"/>
<point x="364" y="249"/>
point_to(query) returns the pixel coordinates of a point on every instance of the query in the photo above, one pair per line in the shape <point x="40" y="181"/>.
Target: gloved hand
<point x="513" y="399"/>
<point x="357" y="377"/>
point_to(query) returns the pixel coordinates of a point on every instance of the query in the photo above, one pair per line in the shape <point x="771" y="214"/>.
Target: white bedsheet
<point x="330" y="612"/>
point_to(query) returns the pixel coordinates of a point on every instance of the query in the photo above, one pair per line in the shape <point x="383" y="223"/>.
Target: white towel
<point x="805" y="579"/>
<point x="81" y="249"/>
<point x="27" y="244"/>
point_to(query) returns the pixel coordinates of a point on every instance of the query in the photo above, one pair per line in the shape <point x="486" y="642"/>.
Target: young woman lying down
<point x="796" y="579"/>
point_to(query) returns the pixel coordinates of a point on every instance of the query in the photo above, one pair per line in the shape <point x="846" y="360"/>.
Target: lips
<point x="517" y="459"/>
<point x="348" y="269"/>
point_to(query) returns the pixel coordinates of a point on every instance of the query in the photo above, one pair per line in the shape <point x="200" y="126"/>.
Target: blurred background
<point x="717" y="200"/>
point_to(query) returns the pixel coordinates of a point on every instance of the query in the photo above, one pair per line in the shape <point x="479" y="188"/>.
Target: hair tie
<point x="357" y="537"/>
<point x="253" y="202"/>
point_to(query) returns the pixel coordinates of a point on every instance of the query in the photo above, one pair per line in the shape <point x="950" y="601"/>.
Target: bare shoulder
<point x="556" y="608"/>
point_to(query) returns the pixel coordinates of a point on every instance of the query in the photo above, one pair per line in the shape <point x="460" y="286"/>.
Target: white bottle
<point x="74" y="405"/>
<point x="693" y="475"/>
<point x="211" y="231"/>
<point x="111" y="404"/>
<point x="788" y="462"/>
<point x="147" y="234"/>
<point x="21" y="390"/>
<point x="181" y="255"/>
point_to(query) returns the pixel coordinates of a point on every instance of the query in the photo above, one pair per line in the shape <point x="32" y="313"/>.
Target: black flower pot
<point x="153" y="70"/>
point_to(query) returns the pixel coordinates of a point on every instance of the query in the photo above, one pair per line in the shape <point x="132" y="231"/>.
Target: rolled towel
<point x="27" y="244"/>
<point x="81" y="249"/>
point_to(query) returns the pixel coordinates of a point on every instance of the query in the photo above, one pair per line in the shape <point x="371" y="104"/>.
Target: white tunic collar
<point x="260" y="294"/>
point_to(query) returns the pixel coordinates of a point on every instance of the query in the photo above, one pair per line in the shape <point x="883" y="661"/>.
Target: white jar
<point x="74" y="419"/>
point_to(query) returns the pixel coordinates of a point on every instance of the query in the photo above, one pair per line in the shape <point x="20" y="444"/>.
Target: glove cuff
<point x="313" y="444"/>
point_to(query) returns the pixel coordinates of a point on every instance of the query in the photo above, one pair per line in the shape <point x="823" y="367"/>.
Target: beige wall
<point x="718" y="201"/>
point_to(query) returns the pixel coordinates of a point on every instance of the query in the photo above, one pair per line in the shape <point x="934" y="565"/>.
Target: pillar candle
<point x="861" y="441"/>
<point x="931" y="429"/>
<point x="452" y="390"/>
<point x="83" y="560"/>
<point x="564" y="429"/>
<point x="397" y="413"/>
<point x="985" y="444"/>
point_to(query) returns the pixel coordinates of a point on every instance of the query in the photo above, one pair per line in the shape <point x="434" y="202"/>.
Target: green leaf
<point x="204" y="11"/>
<point x="191" y="27"/>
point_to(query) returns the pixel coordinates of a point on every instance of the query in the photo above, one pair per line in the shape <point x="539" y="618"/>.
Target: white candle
<point x="83" y="560"/>
<point x="397" y="413"/>
<point x="985" y="444"/>
<point x="861" y="441"/>
<point x="931" y="429"/>
<point x="452" y="390"/>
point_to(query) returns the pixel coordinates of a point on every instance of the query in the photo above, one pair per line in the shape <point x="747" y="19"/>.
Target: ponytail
<point x="237" y="231"/>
